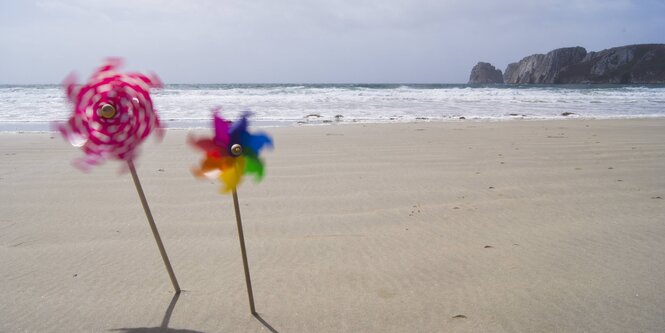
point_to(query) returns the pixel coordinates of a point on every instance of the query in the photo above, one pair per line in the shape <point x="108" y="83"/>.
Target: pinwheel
<point x="232" y="152"/>
<point x="229" y="154"/>
<point x="113" y="114"/>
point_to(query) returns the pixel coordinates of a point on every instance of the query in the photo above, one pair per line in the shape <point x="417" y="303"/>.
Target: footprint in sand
<point x="416" y="209"/>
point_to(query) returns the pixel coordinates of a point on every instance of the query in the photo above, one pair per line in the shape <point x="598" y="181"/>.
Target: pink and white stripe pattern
<point x="117" y="137"/>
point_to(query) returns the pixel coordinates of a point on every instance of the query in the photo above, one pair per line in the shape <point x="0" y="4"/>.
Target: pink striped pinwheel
<point x="113" y="114"/>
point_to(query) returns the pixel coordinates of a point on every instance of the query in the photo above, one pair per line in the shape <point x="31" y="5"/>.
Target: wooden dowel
<point x="241" y="236"/>
<point x="153" y="227"/>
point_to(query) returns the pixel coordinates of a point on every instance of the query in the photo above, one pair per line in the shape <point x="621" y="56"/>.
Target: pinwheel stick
<point x="241" y="236"/>
<point x="153" y="227"/>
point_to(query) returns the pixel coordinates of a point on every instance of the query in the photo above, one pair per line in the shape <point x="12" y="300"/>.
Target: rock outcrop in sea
<point x="543" y="68"/>
<point x="484" y="72"/>
<point x="640" y="63"/>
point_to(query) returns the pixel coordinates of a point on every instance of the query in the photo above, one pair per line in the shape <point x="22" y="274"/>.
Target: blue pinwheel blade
<point x="256" y="142"/>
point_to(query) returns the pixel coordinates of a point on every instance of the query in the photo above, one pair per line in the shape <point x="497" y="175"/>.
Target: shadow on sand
<point x="167" y="317"/>
<point x="165" y="323"/>
<point x="265" y="323"/>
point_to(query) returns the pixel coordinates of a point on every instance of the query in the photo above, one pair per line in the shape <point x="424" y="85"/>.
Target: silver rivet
<point x="236" y="149"/>
<point x="107" y="111"/>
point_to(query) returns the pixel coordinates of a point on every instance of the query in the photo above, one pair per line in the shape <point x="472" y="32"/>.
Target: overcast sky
<point x="307" y="41"/>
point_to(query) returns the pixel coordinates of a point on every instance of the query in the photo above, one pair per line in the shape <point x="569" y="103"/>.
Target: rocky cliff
<point x="543" y="68"/>
<point x="484" y="72"/>
<point x="642" y="63"/>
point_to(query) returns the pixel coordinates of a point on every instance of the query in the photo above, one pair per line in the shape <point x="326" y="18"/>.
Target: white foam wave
<point x="191" y="104"/>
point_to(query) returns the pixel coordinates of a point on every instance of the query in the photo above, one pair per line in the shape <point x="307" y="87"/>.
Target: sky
<point x="307" y="41"/>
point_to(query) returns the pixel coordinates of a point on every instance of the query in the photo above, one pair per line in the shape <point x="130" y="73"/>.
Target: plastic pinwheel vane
<point x="113" y="114"/>
<point x="231" y="153"/>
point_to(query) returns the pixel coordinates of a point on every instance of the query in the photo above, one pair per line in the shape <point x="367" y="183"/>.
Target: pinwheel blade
<point x="254" y="166"/>
<point x="256" y="142"/>
<point x="221" y="130"/>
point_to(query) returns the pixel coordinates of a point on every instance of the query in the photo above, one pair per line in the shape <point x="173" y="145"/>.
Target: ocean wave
<point x="290" y="103"/>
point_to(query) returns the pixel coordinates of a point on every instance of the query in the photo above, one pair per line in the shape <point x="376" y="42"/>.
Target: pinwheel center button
<point x="236" y="149"/>
<point x="107" y="111"/>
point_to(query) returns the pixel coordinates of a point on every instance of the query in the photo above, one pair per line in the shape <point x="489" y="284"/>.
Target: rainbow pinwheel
<point x="232" y="152"/>
<point x="113" y="114"/>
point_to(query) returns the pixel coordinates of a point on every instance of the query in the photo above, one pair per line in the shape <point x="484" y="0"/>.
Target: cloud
<point x="307" y="41"/>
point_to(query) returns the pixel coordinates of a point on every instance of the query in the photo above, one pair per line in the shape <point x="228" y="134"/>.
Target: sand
<point x="516" y="226"/>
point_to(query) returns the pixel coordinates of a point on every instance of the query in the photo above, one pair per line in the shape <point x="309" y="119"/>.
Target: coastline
<point x="466" y="225"/>
<point x="197" y="125"/>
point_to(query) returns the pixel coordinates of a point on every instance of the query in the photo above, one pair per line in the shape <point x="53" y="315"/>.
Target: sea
<point x="182" y="106"/>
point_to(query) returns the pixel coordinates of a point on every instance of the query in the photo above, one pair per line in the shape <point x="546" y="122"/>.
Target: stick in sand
<point x="153" y="227"/>
<point x="241" y="237"/>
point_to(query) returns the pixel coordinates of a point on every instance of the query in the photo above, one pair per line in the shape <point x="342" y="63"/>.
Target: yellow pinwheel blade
<point x="232" y="174"/>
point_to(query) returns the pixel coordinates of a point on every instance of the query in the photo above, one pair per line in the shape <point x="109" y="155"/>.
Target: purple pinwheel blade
<point x="221" y="130"/>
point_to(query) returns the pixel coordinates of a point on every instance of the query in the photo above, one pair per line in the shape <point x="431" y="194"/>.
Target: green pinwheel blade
<point x="254" y="166"/>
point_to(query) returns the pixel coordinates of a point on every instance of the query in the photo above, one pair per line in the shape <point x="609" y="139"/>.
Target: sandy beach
<point x="515" y="226"/>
